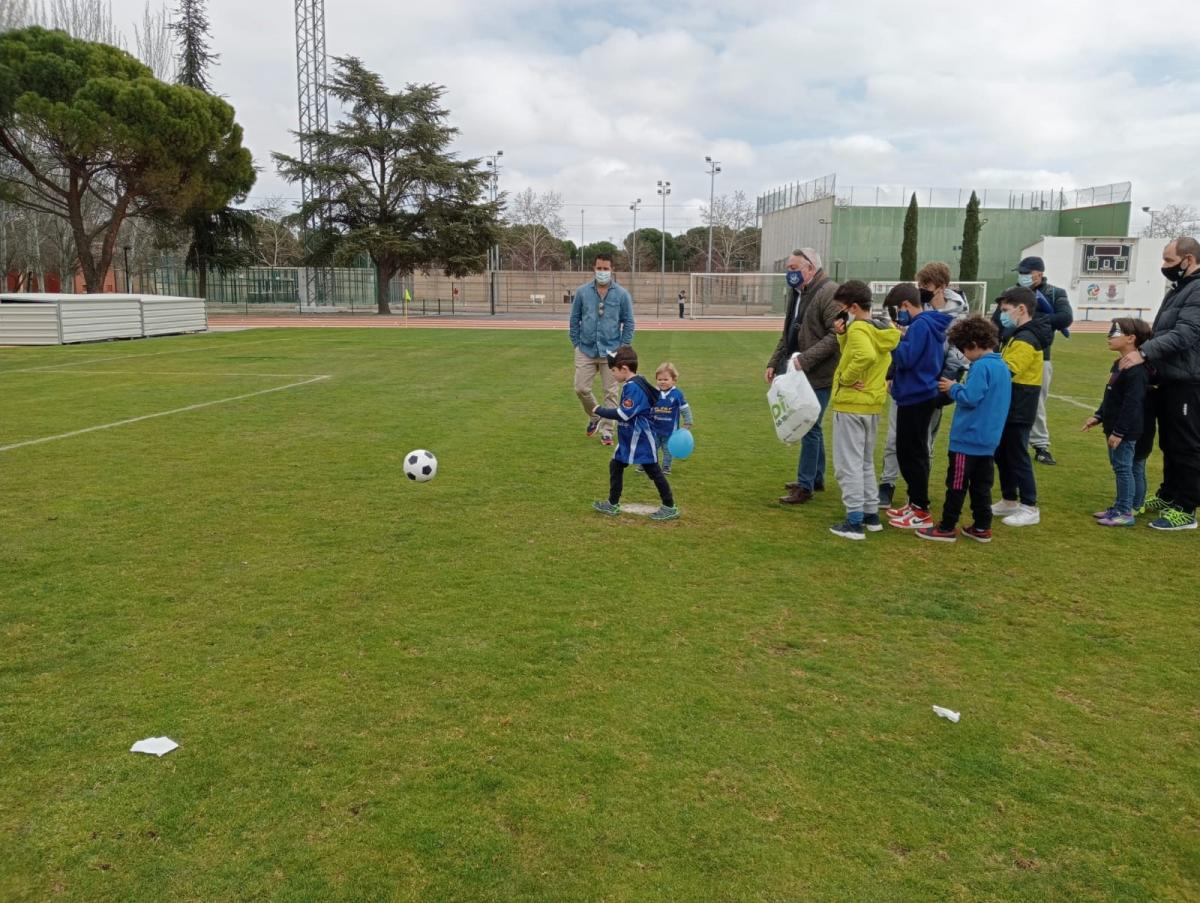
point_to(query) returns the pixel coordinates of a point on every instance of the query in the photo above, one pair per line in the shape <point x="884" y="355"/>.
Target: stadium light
<point x="664" y="189"/>
<point x="714" y="167"/>
<point x="633" y="262"/>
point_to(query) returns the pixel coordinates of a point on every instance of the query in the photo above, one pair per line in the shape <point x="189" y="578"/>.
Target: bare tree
<point x="735" y="239"/>
<point x="152" y="38"/>
<point x="15" y="14"/>
<point x="1173" y="221"/>
<point x="536" y="228"/>
<point x="278" y="243"/>
<point x="88" y="20"/>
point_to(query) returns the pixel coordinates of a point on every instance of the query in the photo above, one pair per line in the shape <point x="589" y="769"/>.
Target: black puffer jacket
<point x="1174" y="352"/>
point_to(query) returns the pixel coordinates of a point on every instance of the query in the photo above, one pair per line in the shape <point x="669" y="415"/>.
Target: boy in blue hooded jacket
<point x="917" y="364"/>
<point x="980" y="414"/>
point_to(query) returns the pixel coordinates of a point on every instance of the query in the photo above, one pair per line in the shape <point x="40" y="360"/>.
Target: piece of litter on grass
<point x="945" y="713"/>
<point x="155" y="746"/>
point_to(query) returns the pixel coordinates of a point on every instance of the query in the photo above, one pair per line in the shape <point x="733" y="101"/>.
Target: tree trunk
<point x="202" y="280"/>
<point x="383" y="278"/>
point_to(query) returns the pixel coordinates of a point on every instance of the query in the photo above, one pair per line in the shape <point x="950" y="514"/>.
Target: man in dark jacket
<point x="1174" y="357"/>
<point x="1031" y="273"/>
<point x="808" y="330"/>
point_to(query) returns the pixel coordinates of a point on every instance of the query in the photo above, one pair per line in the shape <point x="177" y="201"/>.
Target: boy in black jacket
<point x="1123" y="414"/>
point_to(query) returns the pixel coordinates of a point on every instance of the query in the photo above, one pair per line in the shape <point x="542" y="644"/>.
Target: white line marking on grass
<point x="1069" y="400"/>
<point x="119" y="357"/>
<point x="177" y="373"/>
<point x="184" y="410"/>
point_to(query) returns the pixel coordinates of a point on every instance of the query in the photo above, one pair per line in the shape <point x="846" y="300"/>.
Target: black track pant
<point x="912" y="449"/>
<point x="1016" y="470"/>
<point x="1178" y="409"/>
<point x="616" y="482"/>
<point x="968" y="474"/>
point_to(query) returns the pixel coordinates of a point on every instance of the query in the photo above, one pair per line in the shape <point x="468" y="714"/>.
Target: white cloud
<point x="599" y="103"/>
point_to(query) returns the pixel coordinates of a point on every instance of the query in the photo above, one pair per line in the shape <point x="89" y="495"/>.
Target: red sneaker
<point x="914" y="520"/>
<point x="973" y="532"/>
<point x="899" y="512"/>
<point x="937" y="534"/>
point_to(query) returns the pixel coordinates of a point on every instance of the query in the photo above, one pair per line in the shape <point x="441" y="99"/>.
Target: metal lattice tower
<point x="311" y="78"/>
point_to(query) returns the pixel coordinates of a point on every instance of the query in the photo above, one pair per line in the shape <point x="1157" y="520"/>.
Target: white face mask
<point x="603" y="277"/>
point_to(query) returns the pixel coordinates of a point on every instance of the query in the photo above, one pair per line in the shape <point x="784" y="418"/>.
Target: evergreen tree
<point x="908" y="248"/>
<point x="222" y="239"/>
<point x="395" y="190"/>
<point x="191" y="32"/>
<point x="968" y="269"/>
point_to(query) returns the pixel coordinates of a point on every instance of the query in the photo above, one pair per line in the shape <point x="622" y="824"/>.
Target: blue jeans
<point x="810" y="472"/>
<point x="1131" y="477"/>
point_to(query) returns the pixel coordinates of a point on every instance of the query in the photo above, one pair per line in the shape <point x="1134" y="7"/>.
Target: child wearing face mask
<point x="1022" y="351"/>
<point x="1123" y="416"/>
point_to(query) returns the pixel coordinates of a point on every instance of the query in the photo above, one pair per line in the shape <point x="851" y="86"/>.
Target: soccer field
<point x="479" y="689"/>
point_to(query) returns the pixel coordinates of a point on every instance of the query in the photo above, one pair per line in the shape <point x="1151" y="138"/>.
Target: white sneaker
<point x="1025" y="517"/>
<point x="1006" y="507"/>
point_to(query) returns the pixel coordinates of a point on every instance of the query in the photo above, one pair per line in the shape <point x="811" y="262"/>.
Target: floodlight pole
<point x="714" y="167"/>
<point x="633" y="257"/>
<point x="664" y="189"/>
<point x="493" y="162"/>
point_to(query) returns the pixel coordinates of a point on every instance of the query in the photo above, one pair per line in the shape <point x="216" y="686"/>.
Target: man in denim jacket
<point x="601" y="322"/>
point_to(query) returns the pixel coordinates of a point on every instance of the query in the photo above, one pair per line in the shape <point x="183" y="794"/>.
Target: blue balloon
<point x="681" y="443"/>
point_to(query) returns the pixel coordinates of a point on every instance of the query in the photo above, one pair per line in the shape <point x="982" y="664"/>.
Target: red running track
<point x="219" y="322"/>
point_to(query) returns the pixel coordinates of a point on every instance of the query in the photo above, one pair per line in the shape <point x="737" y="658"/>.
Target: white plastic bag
<point x="794" y="404"/>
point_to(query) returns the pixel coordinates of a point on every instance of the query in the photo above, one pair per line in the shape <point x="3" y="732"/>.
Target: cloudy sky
<point x="599" y="101"/>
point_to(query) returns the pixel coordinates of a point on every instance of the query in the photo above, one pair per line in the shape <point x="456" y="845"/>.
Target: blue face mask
<point x="1006" y="321"/>
<point x="795" y="278"/>
<point x="603" y="277"/>
<point x="1025" y="280"/>
<point x="903" y="318"/>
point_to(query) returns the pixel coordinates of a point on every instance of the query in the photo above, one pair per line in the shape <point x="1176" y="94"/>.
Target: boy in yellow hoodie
<point x="859" y="396"/>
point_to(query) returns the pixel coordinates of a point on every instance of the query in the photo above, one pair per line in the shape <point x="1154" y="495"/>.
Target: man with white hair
<point x="808" y="329"/>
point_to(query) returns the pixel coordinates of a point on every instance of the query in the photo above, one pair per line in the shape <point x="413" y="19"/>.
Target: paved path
<point x="220" y="322"/>
<point x="223" y="322"/>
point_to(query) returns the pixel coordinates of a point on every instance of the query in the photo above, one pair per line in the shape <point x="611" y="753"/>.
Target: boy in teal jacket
<point x="980" y="414"/>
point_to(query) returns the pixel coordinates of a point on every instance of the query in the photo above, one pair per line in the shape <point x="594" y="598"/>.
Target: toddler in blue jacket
<point x="981" y="410"/>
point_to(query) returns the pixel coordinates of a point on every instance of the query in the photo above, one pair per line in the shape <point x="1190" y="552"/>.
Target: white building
<point x="1105" y="277"/>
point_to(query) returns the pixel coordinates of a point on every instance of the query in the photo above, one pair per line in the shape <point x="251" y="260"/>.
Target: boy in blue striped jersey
<point x="636" y="443"/>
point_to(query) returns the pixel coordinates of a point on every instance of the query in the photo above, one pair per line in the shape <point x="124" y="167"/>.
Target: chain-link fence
<point x="280" y="290"/>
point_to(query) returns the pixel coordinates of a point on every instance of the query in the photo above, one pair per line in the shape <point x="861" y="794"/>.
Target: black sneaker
<point x="848" y="530"/>
<point x="592" y="426"/>
<point x="886" y="491"/>
<point x="1043" y="456"/>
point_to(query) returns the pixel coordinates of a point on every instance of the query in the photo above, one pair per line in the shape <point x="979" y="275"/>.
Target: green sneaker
<point x="665" y="513"/>
<point x="1155" y="505"/>
<point x="604" y="506"/>
<point x="1174" y="519"/>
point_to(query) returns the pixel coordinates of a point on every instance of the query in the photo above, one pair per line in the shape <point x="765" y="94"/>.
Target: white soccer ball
<point x="420" y="466"/>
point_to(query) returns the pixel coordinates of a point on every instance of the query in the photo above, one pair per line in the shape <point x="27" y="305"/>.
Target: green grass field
<point x="478" y="689"/>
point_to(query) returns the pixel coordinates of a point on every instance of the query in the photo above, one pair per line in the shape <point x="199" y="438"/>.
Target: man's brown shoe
<point x="797" y="496"/>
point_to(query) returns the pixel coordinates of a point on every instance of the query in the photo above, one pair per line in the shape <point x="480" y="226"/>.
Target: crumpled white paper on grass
<point x="155" y="746"/>
<point x="946" y="713"/>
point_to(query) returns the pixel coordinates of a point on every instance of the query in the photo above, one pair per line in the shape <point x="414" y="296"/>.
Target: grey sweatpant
<point x="854" y="438"/>
<point x="891" y="464"/>
<point x="1039" y="436"/>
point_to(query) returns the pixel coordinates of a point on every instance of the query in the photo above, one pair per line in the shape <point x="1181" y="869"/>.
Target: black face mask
<point x="926" y="297"/>
<point x="843" y="318"/>
<point x="1174" y="273"/>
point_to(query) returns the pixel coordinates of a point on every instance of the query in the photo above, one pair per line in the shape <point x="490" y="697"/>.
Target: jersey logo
<point x="627" y="403"/>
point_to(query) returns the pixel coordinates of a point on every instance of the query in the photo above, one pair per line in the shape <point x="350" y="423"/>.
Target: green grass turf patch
<point x="477" y="688"/>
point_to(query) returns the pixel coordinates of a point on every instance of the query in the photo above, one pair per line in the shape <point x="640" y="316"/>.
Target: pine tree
<point x="191" y="32"/>
<point x="908" y="248"/>
<point x="968" y="269"/>
<point x="222" y="239"/>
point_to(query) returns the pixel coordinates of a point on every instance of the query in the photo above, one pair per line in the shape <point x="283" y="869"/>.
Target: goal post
<point x="716" y="295"/>
<point x="975" y="293"/>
